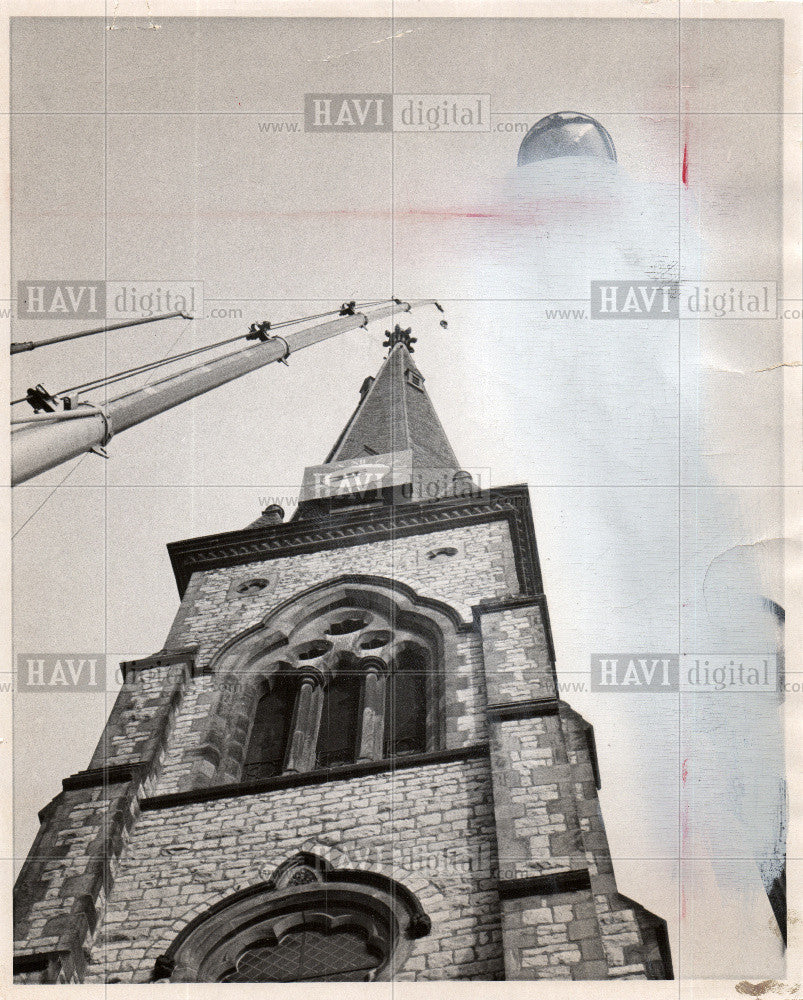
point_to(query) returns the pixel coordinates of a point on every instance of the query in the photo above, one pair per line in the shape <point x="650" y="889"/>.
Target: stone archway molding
<point x="388" y="909"/>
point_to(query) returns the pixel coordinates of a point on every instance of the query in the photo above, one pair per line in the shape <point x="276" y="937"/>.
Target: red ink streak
<point x="685" y="771"/>
<point x="686" y="165"/>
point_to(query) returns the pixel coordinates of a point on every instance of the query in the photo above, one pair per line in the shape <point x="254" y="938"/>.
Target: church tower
<point x="349" y="762"/>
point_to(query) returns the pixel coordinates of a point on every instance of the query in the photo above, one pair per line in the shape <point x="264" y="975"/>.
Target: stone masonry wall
<point x="482" y="568"/>
<point x="160" y="714"/>
<point x="518" y="666"/>
<point x="140" y="716"/>
<point x="61" y="891"/>
<point x="430" y="828"/>
<point x="534" y="793"/>
<point x="550" y="834"/>
<point x="507" y="853"/>
<point x="556" y="937"/>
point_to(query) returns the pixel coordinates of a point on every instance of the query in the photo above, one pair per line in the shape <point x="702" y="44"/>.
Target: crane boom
<point x="45" y="441"/>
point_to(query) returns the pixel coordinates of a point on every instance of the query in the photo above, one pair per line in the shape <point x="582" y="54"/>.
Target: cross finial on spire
<point x="399" y="336"/>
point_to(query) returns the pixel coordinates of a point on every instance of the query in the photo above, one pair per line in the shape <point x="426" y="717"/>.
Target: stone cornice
<point x="117" y="774"/>
<point x="510" y="503"/>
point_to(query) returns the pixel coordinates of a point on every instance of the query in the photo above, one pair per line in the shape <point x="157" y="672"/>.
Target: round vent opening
<point x="252" y="586"/>
<point x="446" y="552"/>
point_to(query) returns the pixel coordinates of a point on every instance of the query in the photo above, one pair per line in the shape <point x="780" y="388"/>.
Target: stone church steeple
<point x="393" y="447"/>
<point x="396" y="414"/>
<point x="350" y="760"/>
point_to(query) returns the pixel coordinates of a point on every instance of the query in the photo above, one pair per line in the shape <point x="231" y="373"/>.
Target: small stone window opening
<point x="249" y="587"/>
<point x="446" y="552"/>
<point x="406" y="706"/>
<point x="339" y="730"/>
<point x="415" y="379"/>
<point x="270" y="731"/>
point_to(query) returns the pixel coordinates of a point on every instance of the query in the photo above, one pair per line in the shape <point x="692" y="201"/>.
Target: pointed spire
<point x="394" y="436"/>
<point x="396" y="414"/>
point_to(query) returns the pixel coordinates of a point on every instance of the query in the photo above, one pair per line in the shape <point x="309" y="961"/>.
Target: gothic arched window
<point x="310" y="946"/>
<point x="338" y="733"/>
<point x="344" y="926"/>
<point x="406" y="705"/>
<point x="354" y="679"/>
<point x="270" y="730"/>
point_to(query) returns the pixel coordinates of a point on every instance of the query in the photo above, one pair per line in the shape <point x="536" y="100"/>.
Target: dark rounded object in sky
<point x="566" y="133"/>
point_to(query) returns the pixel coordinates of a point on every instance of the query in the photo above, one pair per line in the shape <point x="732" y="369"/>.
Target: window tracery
<point x="309" y="923"/>
<point x="367" y="696"/>
<point x="356" y="657"/>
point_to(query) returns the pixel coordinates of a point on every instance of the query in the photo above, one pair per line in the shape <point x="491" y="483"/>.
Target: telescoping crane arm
<point x="44" y="441"/>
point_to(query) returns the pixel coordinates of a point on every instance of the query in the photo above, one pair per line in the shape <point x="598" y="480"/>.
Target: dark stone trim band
<point x="167" y="658"/>
<point x="57" y="965"/>
<point x="54" y="965"/>
<point x="117" y="774"/>
<point x="523" y="709"/>
<point x="194" y="795"/>
<point x="36" y="962"/>
<point x="503" y="604"/>
<point x="544" y="885"/>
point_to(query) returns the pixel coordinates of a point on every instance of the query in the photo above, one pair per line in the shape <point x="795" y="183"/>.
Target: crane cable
<point x="346" y="309"/>
<point x="32" y="345"/>
<point x="100" y="383"/>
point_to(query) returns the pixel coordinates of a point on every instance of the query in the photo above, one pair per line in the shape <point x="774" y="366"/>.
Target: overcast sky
<point x="652" y="449"/>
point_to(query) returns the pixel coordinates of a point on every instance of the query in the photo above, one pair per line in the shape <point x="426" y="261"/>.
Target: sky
<point x="652" y="449"/>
